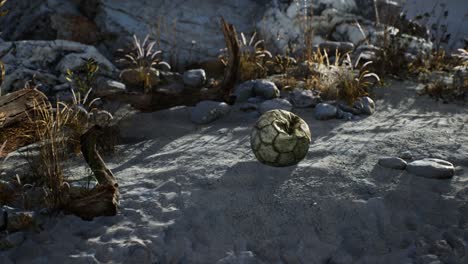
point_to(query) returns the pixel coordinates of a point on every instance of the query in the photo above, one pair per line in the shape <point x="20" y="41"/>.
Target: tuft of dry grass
<point x="50" y="131"/>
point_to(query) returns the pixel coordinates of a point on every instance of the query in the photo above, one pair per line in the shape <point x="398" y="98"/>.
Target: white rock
<point x="208" y="111"/>
<point x="431" y="168"/>
<point x="195" y="78"/>
<point x="392" y="163"/>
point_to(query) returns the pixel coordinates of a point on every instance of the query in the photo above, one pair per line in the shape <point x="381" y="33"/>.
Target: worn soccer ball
<point x="280" y="138"/>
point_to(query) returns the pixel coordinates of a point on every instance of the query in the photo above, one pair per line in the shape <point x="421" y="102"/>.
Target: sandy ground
<point x="196" y="194"/>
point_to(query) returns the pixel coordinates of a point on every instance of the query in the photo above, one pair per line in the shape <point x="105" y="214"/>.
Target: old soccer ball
<point x="280" y="138"/>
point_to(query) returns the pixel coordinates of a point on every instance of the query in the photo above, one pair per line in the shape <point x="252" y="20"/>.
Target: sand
<point x="196" y="194"/>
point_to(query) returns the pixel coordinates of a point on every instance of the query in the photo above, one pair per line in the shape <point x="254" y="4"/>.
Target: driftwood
<point x="101" y="201"/>
<point x="161" y="99"/>
<point x="104" y="199"/>
<point x="17" y="106"/>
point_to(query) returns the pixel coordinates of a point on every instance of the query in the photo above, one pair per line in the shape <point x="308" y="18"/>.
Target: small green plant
<point x="85" y="76"/>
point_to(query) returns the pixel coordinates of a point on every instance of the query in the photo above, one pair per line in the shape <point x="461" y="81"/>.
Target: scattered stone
<point x="208" y="111"/>
<point x="406" y="155"/>
<point x="365" y="105"/>
<point x="392" y="163"/>
<point x="256" y="88"/>
<point x="277" y="103"/>
<point x="15" y="239"/>
<point x="348" y="109"/>
<point x="256" y="100"/>
<point x="135" y="77"/>
<point x="247" y="107"/>
<point x="266" y="89"/>
<point x="304" y="98"/>
<point x="324" y="111"/>
<point x="61" y="87"/>
<point x="340" y="114"/>
<point x="175" y="88"/>
<point x="431" y="168"/>
<point x="195" y="78"/>
<point x="280" y="138"/>
<point x="108" y="85"/>
<point x="428" y="259"/>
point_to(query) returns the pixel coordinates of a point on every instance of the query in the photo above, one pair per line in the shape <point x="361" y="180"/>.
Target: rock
<point x="46" y="62"/>
<point x="349" y="32"/>
<point x="208" y="111"/>
<point x="456" y="243"/>
<point x="18" y="220"/>
<point x="414" y="45"/>
<point x="175" y="88"/>
<point x="392" y="163"/>
<point x="365" y="105"/>
<point x="340" y="114"/>
<point x="246" y="107"/>
<point x="107" y="84"/>
<point x="280" y="138"/>
<point x="406" y="155"/>
<point x="265" y="89"/>
<point x="277" y="103"/>
<point x="65" y="96"/>
<point x="135" y="77"/>
<point x="332" y="46"/>
<point x="61" y="87"/>
<point x="245" y="257"/>
<point x="256" y="88"/>
<point x="348" y="109"/>
<point x="304" y="98"/>
<point x="325" y="111"/>
<point x="428" y="259"/>
<point x="195" y="78"/>
<point x="244" y="91"/>
<point x="256" y="100"/>
<point x="386" y="10"/>
<point x="15" y="239"/>
<point x="431" y="168"/>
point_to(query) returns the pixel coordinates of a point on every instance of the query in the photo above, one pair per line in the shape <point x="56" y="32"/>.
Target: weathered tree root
<point x="104" y="199"/>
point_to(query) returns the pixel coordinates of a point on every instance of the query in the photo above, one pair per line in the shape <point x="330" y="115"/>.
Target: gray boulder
<point x="431" y="168"/>
<point x="325" y="111"/>
<point x="277" y="103"/>
<point x="208" y="111"/>
<point x="46" y="62"/>
<point x="195" y="78"/>
<point x="392" y="163"/>
<point x="304" y="98"/>
<point x="266" y="89"/>
<point x="340" y="114"/>
<point x="108" y="86"/>
<point x="365" y="105"/>
<point x="256" y="88"/>
<point x="406" y="155"/>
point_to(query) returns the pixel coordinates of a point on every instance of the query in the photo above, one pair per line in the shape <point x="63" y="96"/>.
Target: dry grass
<point x="253" y="57"/>
<point x="50" y="131"/>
